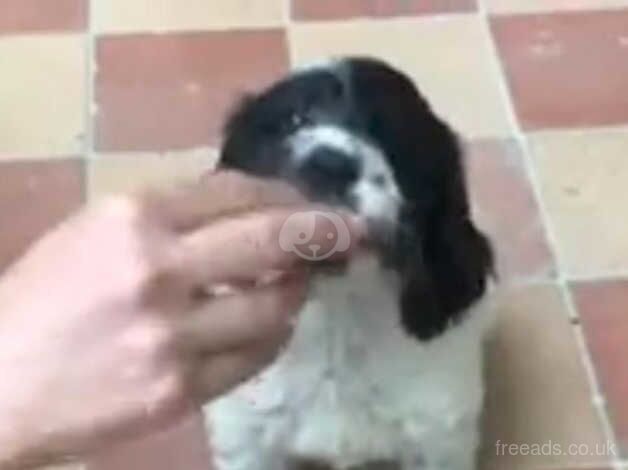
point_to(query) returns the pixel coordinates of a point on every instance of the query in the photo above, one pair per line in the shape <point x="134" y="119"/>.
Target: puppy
<point x="385" y="366"/>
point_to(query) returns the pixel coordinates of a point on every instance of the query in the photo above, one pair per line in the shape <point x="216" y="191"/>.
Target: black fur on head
<point x="359" y="107"/>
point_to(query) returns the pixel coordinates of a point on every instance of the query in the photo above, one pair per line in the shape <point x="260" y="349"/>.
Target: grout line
<point x="536" y="11"/>
<point x="528" y="281"/>
<point x="602" y="277"/>
<point x="88" y="140"/>
<point x="287" y="20"/>
<point x="396" y="19"/>
<point x="12" y="157"/>
<point x="288" y="23"/>
<point x="609" y="276"/>
<point x="191" y="30"/>
<point x="593" y="130"/>
<point x="287" y="12"/>
<point x="90" y="67"/>
<point x="598" y="399"/>
<point x="90" y="101"/>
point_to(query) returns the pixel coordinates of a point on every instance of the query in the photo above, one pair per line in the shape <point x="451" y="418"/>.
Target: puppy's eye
<point x="297" y="120"/>
<point x="293" y="122"/>
<point x="284" y="124"/>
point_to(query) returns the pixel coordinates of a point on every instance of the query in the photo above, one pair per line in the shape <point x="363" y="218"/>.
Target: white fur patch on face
<point x="376" y="191"/>
<point x="307" y="139"/>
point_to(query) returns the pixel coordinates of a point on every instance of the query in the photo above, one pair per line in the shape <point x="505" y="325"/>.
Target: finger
<point x="246" y="247"/>
<point x="235" y="321"/>
<point x="219" y="374"/>
<point x="219" y="194"/>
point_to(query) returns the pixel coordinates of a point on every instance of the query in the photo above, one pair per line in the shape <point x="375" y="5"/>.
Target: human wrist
<point x="16" y="445"/>
<point x="23" y="440"/>
<point x="21" y="449"/>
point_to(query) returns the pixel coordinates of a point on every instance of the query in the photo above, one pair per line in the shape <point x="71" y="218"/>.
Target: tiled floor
<point x="105" y="95"/>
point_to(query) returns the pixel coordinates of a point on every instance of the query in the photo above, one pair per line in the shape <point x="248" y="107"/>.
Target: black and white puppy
<point x="386" y="362"/>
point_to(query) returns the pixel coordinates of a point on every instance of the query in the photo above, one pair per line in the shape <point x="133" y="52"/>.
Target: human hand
<point x="107" y="328"/>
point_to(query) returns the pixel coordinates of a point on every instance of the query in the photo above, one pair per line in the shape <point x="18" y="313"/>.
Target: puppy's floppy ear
<point x="443" y="259"/>
<point x="235" y="132"/>
<point x="446" y="278"/>
<point x="453" y="259"/>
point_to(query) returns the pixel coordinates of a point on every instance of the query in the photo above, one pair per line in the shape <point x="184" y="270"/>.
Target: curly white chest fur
<point x="352" y="387"/>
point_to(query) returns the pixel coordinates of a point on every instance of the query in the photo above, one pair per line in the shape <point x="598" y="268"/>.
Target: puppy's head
<point x="357" y="134"/>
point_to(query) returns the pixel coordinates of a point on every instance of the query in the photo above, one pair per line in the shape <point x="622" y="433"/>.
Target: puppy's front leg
<point x="452" y="449"/>
<point x="236" y="439"/>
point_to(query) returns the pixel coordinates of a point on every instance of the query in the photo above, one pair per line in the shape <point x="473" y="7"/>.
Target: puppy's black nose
<point x="328" y="170"/>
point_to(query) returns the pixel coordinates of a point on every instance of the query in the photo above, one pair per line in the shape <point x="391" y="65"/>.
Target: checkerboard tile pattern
<point x="161" y="92"/>
<point x="103" y="96"/>
<point x="553" y="64"/>
<point x="603" y="310"/>
<point x="42" y="94"/>
<point x="527" y="399"/>
<point x="33" y="197"/>
<point x="442" y="56"/>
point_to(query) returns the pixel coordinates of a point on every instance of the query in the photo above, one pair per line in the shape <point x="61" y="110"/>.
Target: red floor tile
<point x="183" y="447"/>
<point x="173" y="91"/>
<point x="33" y="197"/>
<point x="507" y="210"/>
<point x="603" y="307"/>
<point x="568" y="69"/>
<point x="341" y="9"/>
<point x="42" y="15"/>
